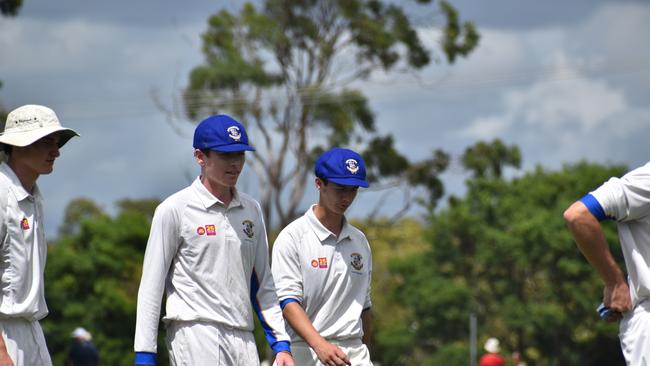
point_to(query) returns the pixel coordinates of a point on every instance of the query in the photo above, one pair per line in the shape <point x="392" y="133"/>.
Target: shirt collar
<point x="19" y="191"/>
<point x="209" y="200"/>
<point x="321" y="231"/>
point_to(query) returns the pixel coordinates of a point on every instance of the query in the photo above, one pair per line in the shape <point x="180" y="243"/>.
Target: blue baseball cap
<point x="342" y="166"/>
<point x="221" y="133"/>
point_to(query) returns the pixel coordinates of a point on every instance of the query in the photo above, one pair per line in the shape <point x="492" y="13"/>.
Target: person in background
<point x="83" y="352"/>
<point x="30" y="141"/>
<point x="492" y="357"/>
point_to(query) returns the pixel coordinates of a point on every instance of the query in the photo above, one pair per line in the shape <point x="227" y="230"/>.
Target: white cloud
<point x="569" y="101"/>
<point x="580" y="97"/>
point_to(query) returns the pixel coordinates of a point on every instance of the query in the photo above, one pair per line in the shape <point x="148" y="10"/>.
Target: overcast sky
<point x="564" y="80"/>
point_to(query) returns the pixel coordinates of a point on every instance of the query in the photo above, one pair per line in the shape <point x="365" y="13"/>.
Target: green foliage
<point x="287" y="67"/>
<point x="503" y="253"/>
<point x="391" y="241"/>
<point x="489" y="159"/>
<point x="454" y="31"/>
<point x="92" y="278"/>
<point x="10" y="7"/>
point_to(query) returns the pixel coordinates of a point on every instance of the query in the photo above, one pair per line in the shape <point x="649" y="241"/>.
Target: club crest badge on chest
<point x="248" y="228"/>
<point x="357" y="261"/>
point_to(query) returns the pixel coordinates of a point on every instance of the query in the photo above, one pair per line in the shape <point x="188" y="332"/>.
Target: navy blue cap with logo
<point x="342" y="166"/>
<point x="221" y="133"/>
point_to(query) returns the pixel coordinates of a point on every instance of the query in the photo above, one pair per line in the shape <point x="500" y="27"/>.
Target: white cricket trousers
<point x="25" y="342"/>
<point x="356" y="351"/>
<point x="198" y="343"/>
<point x="634" y="334"/>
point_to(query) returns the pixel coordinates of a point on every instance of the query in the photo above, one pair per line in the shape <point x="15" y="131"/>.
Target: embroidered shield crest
<point x="357" y="261"/>
<point x="248" y="228"/>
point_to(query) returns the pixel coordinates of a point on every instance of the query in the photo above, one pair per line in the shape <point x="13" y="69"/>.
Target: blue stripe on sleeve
<point x="281" y="346"/>
<point x="284" y="302"/>
<point x="268" y="331"/>
<point x="145" y="358"/>
<point x="594" y="207"/>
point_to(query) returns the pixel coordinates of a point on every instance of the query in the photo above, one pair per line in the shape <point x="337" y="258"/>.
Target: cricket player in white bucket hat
<point x="30" y="140"/>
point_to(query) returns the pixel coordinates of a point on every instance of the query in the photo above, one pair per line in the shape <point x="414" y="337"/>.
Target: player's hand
<point x="283" y="359"/>
<point x="617" y="298"/>
<point x="331" y="355"/>
<point x="5" y="360"/>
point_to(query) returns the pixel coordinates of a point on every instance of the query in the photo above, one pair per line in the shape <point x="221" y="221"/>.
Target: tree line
<point x="501" y="252"/>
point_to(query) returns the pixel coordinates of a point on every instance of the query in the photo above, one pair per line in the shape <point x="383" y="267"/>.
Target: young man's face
<point x="220" y="168"/>
<point x="38" y="157"/>
<point x="335" y="197"/>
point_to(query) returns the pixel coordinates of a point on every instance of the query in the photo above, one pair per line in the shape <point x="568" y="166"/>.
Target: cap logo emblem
<point x="352" y="166"/>
<point x="233" y="133"/>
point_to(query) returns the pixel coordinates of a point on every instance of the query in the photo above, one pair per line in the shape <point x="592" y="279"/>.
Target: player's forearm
<point x="4" y="355"/>
<point x="301" y="324"/>
<point x="589" y="237"/>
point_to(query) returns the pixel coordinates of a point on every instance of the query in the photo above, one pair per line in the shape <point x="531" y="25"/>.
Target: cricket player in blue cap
<point x="208" y="252"/>
<point x="323" y="265"/>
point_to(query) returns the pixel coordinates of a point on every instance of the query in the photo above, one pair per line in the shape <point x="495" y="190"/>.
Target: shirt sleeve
<point x="626" y="198"/>
<point x="164" y="240"/>
<point x="286" y="268"/>
<point x="263" y="296"/>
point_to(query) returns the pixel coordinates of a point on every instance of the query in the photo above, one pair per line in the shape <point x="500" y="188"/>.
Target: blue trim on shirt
<point x="594" y="207"/>
<point x="284" y="302"/>
<point x="276" y="345"/>
<point x="145" y="358"/>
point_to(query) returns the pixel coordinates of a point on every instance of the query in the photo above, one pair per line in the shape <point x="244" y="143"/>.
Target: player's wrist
<point x="281" y="346"/>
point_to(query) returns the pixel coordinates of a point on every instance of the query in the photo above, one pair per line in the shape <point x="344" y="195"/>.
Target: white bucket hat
<point x="492" y="345"/>
<point x="81" y="333"/>
<point x="29" y="123"/>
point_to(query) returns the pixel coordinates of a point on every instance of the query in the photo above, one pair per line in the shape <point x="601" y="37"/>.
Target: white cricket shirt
<point x="627" y="200"/>
<point x="24" y="250"/>
<point x="328" y="276"/>
<point x="212" y="262"/>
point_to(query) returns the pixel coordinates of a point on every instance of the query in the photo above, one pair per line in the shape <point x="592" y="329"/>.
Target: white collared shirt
<point x="328" y="276"/>
<point x="24" y="250"/>
<point x="627" y="200"/>
<point x="212" y="263"/>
